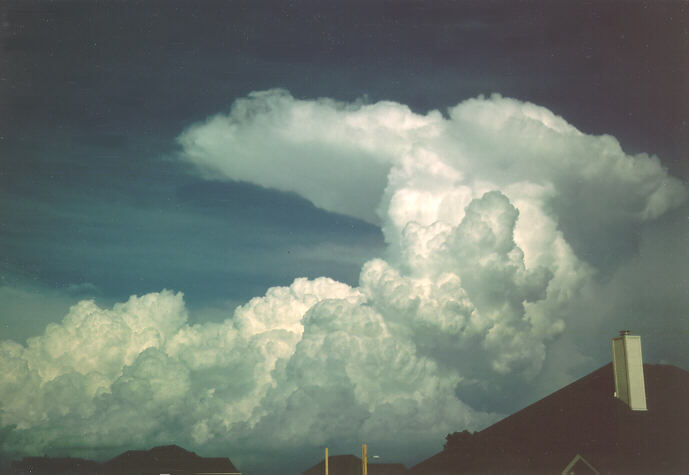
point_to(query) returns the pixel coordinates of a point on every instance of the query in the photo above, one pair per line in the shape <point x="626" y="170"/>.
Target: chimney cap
<point x="624" y="332"/>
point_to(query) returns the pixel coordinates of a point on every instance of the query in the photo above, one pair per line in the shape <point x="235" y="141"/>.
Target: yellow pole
<point x="326" y="461"/>
<point x="364" y="463"/>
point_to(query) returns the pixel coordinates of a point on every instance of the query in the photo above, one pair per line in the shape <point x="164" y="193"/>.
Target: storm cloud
<point x="503" y="226"/>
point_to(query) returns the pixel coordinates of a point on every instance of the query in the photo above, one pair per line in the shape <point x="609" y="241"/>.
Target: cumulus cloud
<point x="494" y="215"/>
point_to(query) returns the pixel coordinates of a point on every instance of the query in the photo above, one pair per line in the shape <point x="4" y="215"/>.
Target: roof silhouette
<point x="583" y="419"/>
<point x="351" y="465"/>
<point x="53" y="465"/>
<point x="170" y="459"/>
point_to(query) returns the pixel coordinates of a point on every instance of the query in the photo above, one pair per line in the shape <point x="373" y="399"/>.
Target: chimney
<point x="629" y="370"/>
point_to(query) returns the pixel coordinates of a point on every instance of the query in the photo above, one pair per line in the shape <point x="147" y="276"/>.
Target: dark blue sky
<point x="94" y="93"/>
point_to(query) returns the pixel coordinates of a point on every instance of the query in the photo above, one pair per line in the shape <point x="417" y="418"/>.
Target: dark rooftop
<point x="351" y="465"/>
<point x="170" y="459"/>
<point x="582" y="419"/>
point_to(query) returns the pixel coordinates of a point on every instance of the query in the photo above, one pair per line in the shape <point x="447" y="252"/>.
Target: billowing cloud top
<point x="493" y="215"/>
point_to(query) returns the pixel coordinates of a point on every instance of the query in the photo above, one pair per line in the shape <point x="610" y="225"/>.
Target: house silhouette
<point x="168" y="459"/>
<point x="351" y="465"/>
<point x="583" y="420"/>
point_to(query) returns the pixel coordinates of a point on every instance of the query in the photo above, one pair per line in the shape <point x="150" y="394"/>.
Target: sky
<point x="257" y="229"/>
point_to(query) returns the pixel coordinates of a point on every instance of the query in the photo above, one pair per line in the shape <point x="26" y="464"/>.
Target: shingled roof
<point x="582" y="419"/>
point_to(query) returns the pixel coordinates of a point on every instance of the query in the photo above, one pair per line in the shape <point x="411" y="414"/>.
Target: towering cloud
<point x="500" y="219"/>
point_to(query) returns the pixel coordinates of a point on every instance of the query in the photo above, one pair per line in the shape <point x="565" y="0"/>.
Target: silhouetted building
<point x="351" y="465"/>
<point x="583" y="428"/>
<point x="169" y="459"/>
<point x="58" y="465"/>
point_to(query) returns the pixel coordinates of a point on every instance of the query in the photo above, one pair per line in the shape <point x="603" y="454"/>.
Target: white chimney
<point x="629" y="370"/>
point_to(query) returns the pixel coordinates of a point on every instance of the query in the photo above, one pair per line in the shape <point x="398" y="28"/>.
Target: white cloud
<point x="489" y="214"/>
<point x="322" y="150"/>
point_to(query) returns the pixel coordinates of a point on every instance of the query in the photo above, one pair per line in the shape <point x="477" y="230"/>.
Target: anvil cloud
<point x="495" y="212"/>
